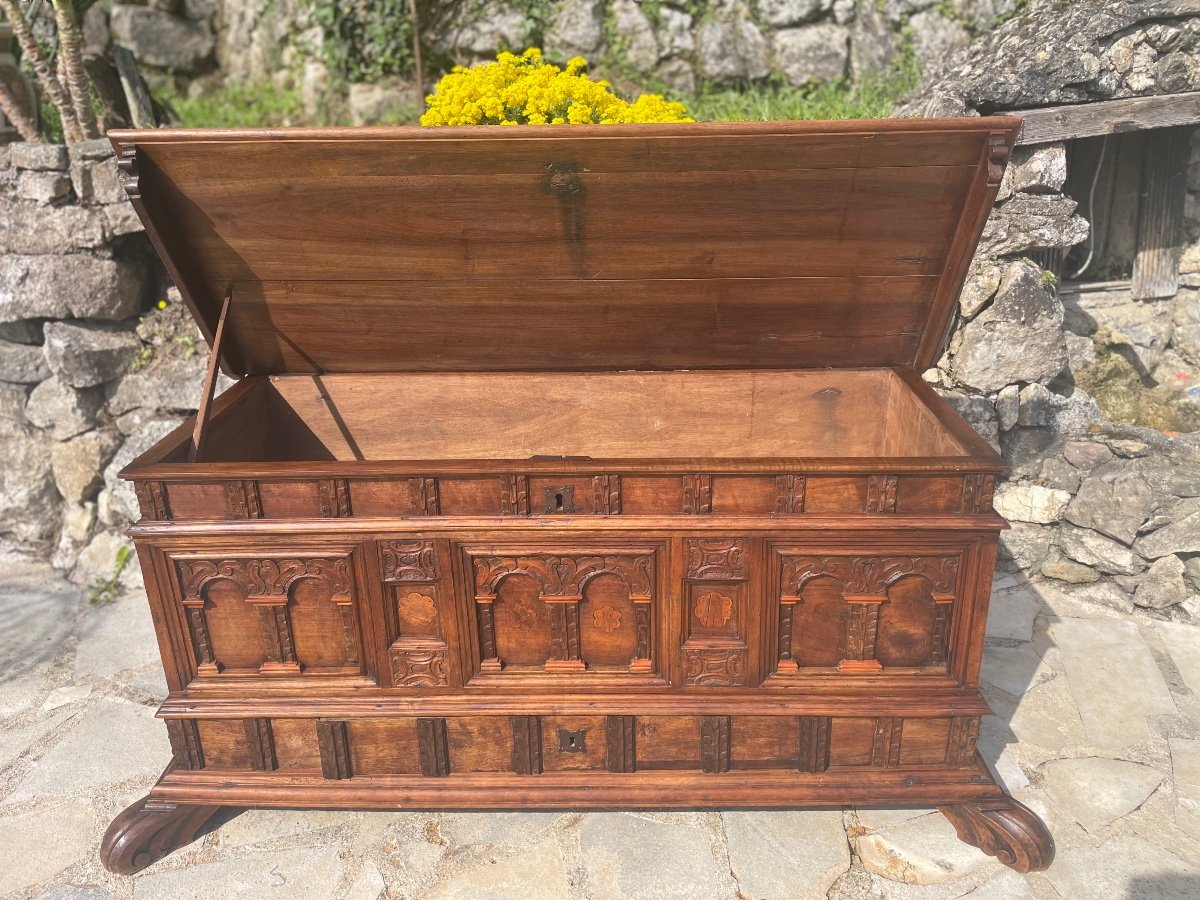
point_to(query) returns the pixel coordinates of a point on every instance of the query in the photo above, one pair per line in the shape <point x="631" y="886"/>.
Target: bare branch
<point x="14" y="113"/>
<point x="70" y="49"/>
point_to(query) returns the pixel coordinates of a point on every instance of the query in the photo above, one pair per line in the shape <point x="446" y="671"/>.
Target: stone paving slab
<point x="1096" y="727"/>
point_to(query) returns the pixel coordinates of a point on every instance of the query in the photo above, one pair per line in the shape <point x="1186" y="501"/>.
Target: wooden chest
<point x="571" y="467"/>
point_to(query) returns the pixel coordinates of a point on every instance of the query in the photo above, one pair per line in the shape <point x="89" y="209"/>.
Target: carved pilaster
<point x="514" y="495"/>
<point x="487" y="636"/>
<point x="201" y="643"/>
<point x="697" y="495"/>
<point x="242" y="500"/>
<point x="260" y="743"/>
<point x="606" y="495"/>
<point x="333" y="741"/>
<point x="564" y="636"/>
<point x="786" y="613"/>
<point x="621" y="743"/>
<point x="964" y="732"/>
<point x="862" y="629"/>
<point x="977" y="494"/>
<point x="789" y="494"/>
<point x="881" y="494"/>
<point x="527" y="745"/>
<point x="433" y="747"/>
<point x="885" y="747"/>
<point x="942" y="612"/>
<point x="277" y="636"/>
<point x="335" y="498"/>
<point x="423" y="496"/>
<point x="186" y="749"/>
<point x="152" y="499"/>
<point x="814" y="743"/>
<point x="641" y="661"/>
<point x="716" y="734"/>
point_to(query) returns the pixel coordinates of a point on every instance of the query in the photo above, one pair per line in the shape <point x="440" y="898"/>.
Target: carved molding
<point x="152" y="499"/>
<point x="606" y="495"/>
<point x="977" y="493"/>
<point x="186" y="749"/>
<point x="206" y="664"/>
<point x="789" y="494"/>
<point x="423" y="496"/>
<point x="433" y="747"/>
<point x="715" y="739"/>
<point x="260" y="742"/>
<point x="487" y="639"/>
<point x="263" y="578"/>
<point x="335" y="498"/>
<point x="642" y="613"/>
<point x="149" y="830"/>
<point x="621" y="743"/>
<point x="715" y="559"/>
<point x="881" y="494"/>
<point x="885" y="747"/>
<point x="333" y="742"/>
<point x="127" y="164"/>
<point x="408" y="560"/>
<point x="713" y="666"/>
<point x="964" y="732"/>
<point x="418" y="664"/>
<point x="514" y="495"/>
<point x="814" y="743"/>
<point x="997" y="155"/>
<point x="697" y="495"/>
<point x="562" y="577"/>
<point x="870" y="576"/>
<point x="527" y="745"/>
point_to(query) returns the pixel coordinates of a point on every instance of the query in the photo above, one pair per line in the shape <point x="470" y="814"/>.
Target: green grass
<point x="870" y="98"/>
<point x="236" y="105"/>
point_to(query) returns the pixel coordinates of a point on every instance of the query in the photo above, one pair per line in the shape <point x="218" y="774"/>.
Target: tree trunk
<point x="14" y="113"/>
<point x="70" y="48"/>
<point x="31" y="54"/>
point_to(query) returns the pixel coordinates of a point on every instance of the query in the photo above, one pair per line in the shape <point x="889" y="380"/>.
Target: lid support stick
<point x="210" y="382"/>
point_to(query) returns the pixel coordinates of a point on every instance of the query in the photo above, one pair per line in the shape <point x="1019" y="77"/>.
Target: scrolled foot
<point x="1005" y="829"/>
<point x="149" y="830"/>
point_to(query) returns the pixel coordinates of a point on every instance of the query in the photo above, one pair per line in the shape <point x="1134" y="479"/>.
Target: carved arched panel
<point x="522" y="622"/>
<point x="820" y="623"/>
<point x="907" y="633"/>
<point x="323" y="630"/>
<point x="607" y="623"/>
<point x="234" y="627"/>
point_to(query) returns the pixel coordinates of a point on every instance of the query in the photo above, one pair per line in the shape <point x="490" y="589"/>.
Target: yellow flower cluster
<point x="527" y="90"/>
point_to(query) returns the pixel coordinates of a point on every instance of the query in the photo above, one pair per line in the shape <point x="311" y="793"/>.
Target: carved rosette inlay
<point x="697" y="495"/>
<point x="789" y="494"/>
<point x="335" y="498"/>
<point x="713" y="609"/>
<point x="514" y="495"/>
<point x="418" y="666"/>
<point x="606" y="495"/>
<point x="716" y="560"/>
<point x="606" y="619"/>
<point x="409" y="560"/>
<point x="881" y="494"/>
<point x="977" y="493"/>
<point x="417" y="609"/>
<point x="713" y="667"/>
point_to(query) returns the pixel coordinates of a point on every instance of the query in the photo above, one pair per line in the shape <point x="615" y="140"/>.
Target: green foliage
<point x="105" y="590"/>
<point x="235" y="104"/>
<point x="365" y="40"/>
<point x="50" y="123"/>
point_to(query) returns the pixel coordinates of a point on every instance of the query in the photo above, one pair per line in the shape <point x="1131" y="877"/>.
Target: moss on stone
<point x="1123" y="397"/>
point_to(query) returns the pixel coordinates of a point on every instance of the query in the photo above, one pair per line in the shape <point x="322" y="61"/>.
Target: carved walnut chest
<point x="571" y="467"/>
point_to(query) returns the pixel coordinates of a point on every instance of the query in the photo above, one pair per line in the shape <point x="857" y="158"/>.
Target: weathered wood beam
<point x="1064" y="123"/>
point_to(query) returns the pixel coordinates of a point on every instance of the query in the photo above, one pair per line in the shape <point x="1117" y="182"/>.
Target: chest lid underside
<point x="651" y="247"/>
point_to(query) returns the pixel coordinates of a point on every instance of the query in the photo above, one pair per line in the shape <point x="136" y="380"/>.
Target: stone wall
<point x="1085" y="390"/>
<point x="91" y="372"/>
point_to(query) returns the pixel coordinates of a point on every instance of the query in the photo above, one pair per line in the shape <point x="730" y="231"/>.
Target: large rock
<point x="22" y="363"/>
<point x="1025" y="502"/>
<point x="1029" y="222"/>
<point x="1162" y="585"/>
<point x="78" y="464"/>
<point x="97" y="181"/>
<point x="71" y="286"/>
<point x="812" y="53"/>
<point x="121" y="496"/>
<point x="1095" y="550"/>
<point x="39" y="157"/>
<point x="1038" y="406"/>
<point x="1185" y="333"/>
<point x="639" y="47"/>
<point x="674" y="32"/>
<point x="1018" y="338"/>
<point x="935" y="38"/>
<point x="979" y="412"/>
<point x="781" y="13"/>
<point x="1181" y="536"/>
<point x="1114" y="500"/>
<point x="373" y="104"/>
<point x="54" y="229"/>
<point x="730" y="47"/>
<point x="86" y="354"/>
<point x="161" y="39"/>
<point x="1097" y="791"/>
<point x="28" y="500"/>
<point x="1026" y="544"/>
<point x="171" y="381"/>
<point x="1038" y="170"/>
<point x="577" y="28"/>
<point x="497" y="26"/>
<point x="872" y="42"/>
<point x="63" y="410"/>
<point x="43" y="188"/>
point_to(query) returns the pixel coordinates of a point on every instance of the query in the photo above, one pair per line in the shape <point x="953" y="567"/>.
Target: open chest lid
<point x="539" y="248"/>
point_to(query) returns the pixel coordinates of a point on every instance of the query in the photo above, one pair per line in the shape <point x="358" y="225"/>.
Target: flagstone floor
<point x="1096" y="726"/>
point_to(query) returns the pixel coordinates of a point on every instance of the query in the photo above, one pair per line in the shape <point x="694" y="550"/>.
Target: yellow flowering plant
<point x="527" y="90"/>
